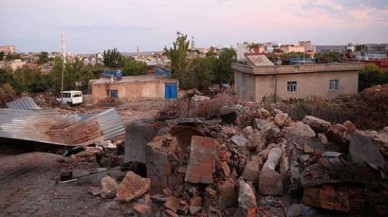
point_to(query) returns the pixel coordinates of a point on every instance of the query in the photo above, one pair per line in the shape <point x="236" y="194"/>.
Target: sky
<point x="95" y="25"/>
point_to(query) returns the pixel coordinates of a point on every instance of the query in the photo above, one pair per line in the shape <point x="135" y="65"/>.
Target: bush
<point x="370" y="76"/>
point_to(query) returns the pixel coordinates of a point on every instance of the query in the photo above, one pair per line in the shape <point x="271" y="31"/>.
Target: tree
<point x="10" y="56"/>
<point x="113" y="58"/>
<point x="212" y="52"/>
<point x="224" y="72"/>
<point x="371" y="75"/>
<point x="178" y="57"/>
<point x="5" y="76"/>
<point x="43" y="58"/>
<point x="254" y="46"/>
<point x="327" y="57"/>
<point x="361" y="47"/>
<point x="203" y="72"/>
<point x="24" y="79"/>
<point x="134" y="67"/>
<point x="76" y="75"/>
<point x="2" y="55"/>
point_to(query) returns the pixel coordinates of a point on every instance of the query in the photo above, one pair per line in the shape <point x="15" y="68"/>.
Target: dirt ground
<point x="28" y="179"/>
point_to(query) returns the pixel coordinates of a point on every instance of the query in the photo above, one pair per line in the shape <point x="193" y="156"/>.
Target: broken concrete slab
<point x="264" y="153"/>
<point x="138" y="134"/>
<point x="251" y="171"/>
<point x="133" y="186"/>
<point x="239" y="140"/>
<point x="317" y="124"/>
<point x="333" y="197"/>
<point x="202" y="160"/>
<point x="227" y="193"/>
<point x="246" y="196"/>
<point x="273" y="158"/>
<point x="381" y="139"/>
<point x="263" y="113"/>
<point x="362" y="149"/>
<point x="158" y="168"/>
<point x="108" y="187"/>
<point x="282" y="119"/>
<point x="301" y="129"/>
<point x="270" y="182"/>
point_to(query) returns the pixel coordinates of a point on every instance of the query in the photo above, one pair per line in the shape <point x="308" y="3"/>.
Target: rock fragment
<point x="133" y="186"/>
<point x="108" y="187"/>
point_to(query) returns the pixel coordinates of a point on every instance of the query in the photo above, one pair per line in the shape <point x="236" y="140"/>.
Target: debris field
<point x="243" y="161"/>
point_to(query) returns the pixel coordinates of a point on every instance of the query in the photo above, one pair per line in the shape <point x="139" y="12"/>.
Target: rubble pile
<point x="253" y="163"/>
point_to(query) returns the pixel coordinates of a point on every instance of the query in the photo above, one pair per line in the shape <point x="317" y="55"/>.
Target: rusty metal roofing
<point x="49" y="126"/>
<point x="24" y="103"/>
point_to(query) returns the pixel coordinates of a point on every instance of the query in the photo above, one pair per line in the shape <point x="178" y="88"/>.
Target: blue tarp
<point x="162" y="71"/>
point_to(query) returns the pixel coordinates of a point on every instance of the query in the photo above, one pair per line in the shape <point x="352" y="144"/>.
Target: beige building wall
<point x="131" y="91"/>
<point x="308" y="84"/>
<point x="312" y="80"/>
<point x="247" y="87"/>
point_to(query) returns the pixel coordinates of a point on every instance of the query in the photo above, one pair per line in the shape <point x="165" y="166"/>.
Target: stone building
<point x="258" y="82"/>
<point x="134" y="88"/>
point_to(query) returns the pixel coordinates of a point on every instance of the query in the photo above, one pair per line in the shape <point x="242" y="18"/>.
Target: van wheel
<point x="69" y="103"/>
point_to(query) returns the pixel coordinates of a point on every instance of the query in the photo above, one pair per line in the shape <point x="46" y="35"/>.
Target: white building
<point x="241" y="50"/>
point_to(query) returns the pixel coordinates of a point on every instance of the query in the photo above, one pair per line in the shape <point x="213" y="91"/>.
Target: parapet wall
<point x="306" y="68"/>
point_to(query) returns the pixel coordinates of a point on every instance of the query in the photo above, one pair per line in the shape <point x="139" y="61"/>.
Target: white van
<point x="71" y="97"/>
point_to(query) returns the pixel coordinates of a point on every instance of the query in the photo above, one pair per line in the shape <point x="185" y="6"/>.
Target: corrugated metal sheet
<point x="24" y="103"/>
<point x="48" y="126"/>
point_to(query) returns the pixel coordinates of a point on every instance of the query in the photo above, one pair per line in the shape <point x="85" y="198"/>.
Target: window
<point x="114" y="94"/>
<point x="334" y="84"/>
<point x="292" y="86"/>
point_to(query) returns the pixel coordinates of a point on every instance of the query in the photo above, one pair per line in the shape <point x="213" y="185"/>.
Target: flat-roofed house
<point x="134" y="88"/>
<point x="258" y="80"/>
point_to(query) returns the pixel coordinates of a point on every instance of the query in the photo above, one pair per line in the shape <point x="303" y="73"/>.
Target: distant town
<point x="376" y="53"/>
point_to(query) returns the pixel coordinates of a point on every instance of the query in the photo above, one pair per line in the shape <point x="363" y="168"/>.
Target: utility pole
<point x="63" y="62"/>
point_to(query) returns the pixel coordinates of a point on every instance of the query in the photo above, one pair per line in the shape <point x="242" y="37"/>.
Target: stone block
<point x="108" y="187"/>
<point x="270" y="182"/>
<point x="133" y="186"/>
<point x="202" y="160"/>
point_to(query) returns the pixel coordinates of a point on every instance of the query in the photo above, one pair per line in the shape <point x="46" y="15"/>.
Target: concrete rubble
<point x="263" y="164"/>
